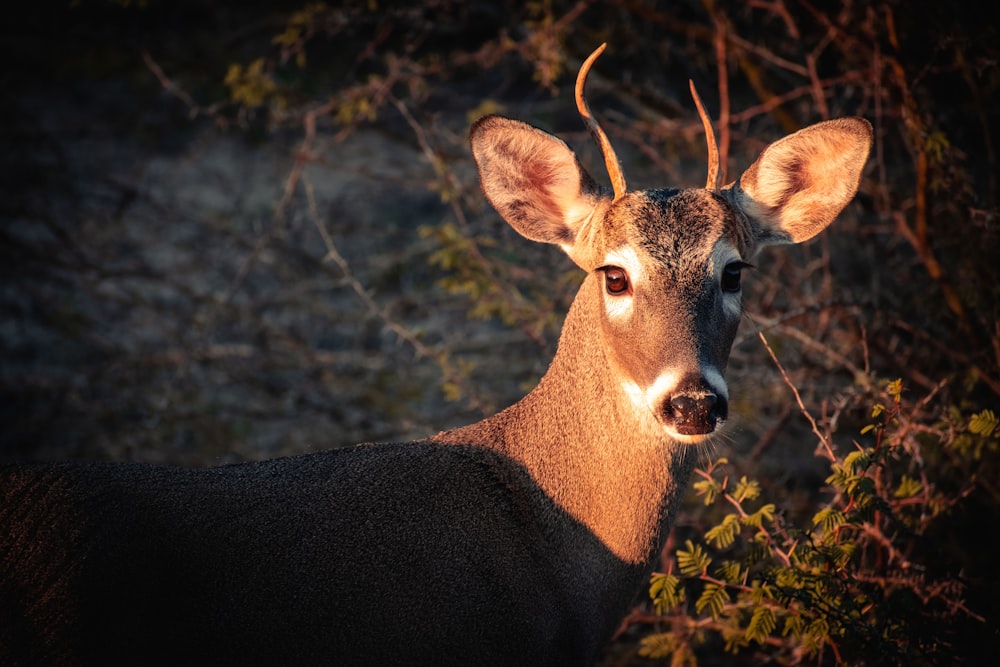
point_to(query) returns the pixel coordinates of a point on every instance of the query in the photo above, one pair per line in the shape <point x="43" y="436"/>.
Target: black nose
<point x="694" y="413"/>
<point x="694" y="408"/>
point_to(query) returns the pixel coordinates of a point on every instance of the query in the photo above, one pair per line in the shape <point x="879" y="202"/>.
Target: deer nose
<point x="694" y="414"/>
<point x="697" y="411"/>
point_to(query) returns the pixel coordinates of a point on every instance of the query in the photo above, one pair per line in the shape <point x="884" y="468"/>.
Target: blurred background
<point x="238" y="230"/>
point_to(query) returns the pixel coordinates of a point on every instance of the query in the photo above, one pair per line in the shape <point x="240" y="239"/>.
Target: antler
<point x="712" y="183"/>
<point x="610" y="159"/>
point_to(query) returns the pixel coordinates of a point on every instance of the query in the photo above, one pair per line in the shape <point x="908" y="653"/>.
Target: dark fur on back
<point x="291" y="561"/>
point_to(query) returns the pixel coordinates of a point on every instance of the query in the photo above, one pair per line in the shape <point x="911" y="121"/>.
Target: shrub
<point x="860" y="581"/>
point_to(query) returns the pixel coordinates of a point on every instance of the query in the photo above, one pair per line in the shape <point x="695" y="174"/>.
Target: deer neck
<point x="602" y="460"/>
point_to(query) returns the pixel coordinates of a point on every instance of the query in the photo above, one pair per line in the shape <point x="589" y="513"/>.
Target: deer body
<point x="521" y="539"/>
<point x="456" y="557"/>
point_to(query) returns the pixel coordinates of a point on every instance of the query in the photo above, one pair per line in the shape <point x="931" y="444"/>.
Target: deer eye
<point x="731" y="276"/>
<point x="615" y="281"/>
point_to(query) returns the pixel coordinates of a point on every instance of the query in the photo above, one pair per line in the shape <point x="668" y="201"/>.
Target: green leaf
<point x="817" y="633"/>
<point x="746" y="490"/>
<point x="839" y="478"/>
<point x="656" y="583"/>
<point x="984" y="423"/>
<point x="844" y="553"/>
<point x="794" y="626"/>
<point x="730" y="571"/>
<point x="714" y="598"/>
<point x="708" y="488"/>
<point x="249" y="86"/>
<point x="908" y="487"/>
<point x="895" y="389"/>
<point x="857" y="460"/>
<point x="829" y="519"/>
<point x="657" y="646"/>
<point x="724" y="534"/>
<point x="761" y="591"/>
<point x="666" y="592"/>
<point x="694" y="561"/>
<point x="936" y="144"/>
<point x="757" y="519"/>
<point x="788" y="578"/>
<point x="762" y="624"/>
<point x="834" y="554"/>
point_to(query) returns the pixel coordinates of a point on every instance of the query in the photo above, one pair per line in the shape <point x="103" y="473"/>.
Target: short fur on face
<point x="677" y="318"/>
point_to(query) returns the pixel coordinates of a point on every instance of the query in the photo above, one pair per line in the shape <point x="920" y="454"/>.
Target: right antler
<point x="712" y="183"/>
<point x="610" y="159"/>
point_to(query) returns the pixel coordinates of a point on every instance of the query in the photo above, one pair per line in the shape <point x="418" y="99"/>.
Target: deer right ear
<point x="799" y="184"/>
<point x="534" y="180"/>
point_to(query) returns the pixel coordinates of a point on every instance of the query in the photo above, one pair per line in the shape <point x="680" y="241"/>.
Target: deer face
<point x="665" y="264"/>
<point x="668" y="277"/>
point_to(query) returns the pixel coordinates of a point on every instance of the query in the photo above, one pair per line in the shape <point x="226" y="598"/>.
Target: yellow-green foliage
<point x="840" y="584"/>
<point x="250" y="86"/>
<point x="300" y="27"/>
<point x="981" y="438"/>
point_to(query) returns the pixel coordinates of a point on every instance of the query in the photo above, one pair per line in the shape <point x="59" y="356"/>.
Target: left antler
<point x="610" y="159"/>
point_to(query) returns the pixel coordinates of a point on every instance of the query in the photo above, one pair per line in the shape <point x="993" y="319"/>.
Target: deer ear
<point x="800" y="183"/>
<point x="533" y="180"/>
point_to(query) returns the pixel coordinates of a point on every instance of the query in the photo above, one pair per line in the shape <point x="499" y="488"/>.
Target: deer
<point x="522" y="539"/>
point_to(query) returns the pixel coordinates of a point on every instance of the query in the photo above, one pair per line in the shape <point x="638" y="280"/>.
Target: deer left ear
<point x="536" y="183"/>
<point x="800" y="183"/>
<point x="532" y="179"/>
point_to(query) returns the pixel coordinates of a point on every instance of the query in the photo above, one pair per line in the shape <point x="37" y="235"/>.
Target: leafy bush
<point x="858" y="582"/>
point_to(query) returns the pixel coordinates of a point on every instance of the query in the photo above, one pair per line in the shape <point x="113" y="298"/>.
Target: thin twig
<point x="194" y="108"/>
<point x="374" y="310"/>
<point x="798" y="397"/>
<point x="507" y="291"/>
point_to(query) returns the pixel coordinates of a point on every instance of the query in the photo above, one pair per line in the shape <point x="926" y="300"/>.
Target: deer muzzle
<point x="695" y="409"/>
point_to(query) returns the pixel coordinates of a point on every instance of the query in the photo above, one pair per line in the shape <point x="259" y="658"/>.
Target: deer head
<point x="665" y="263"/>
